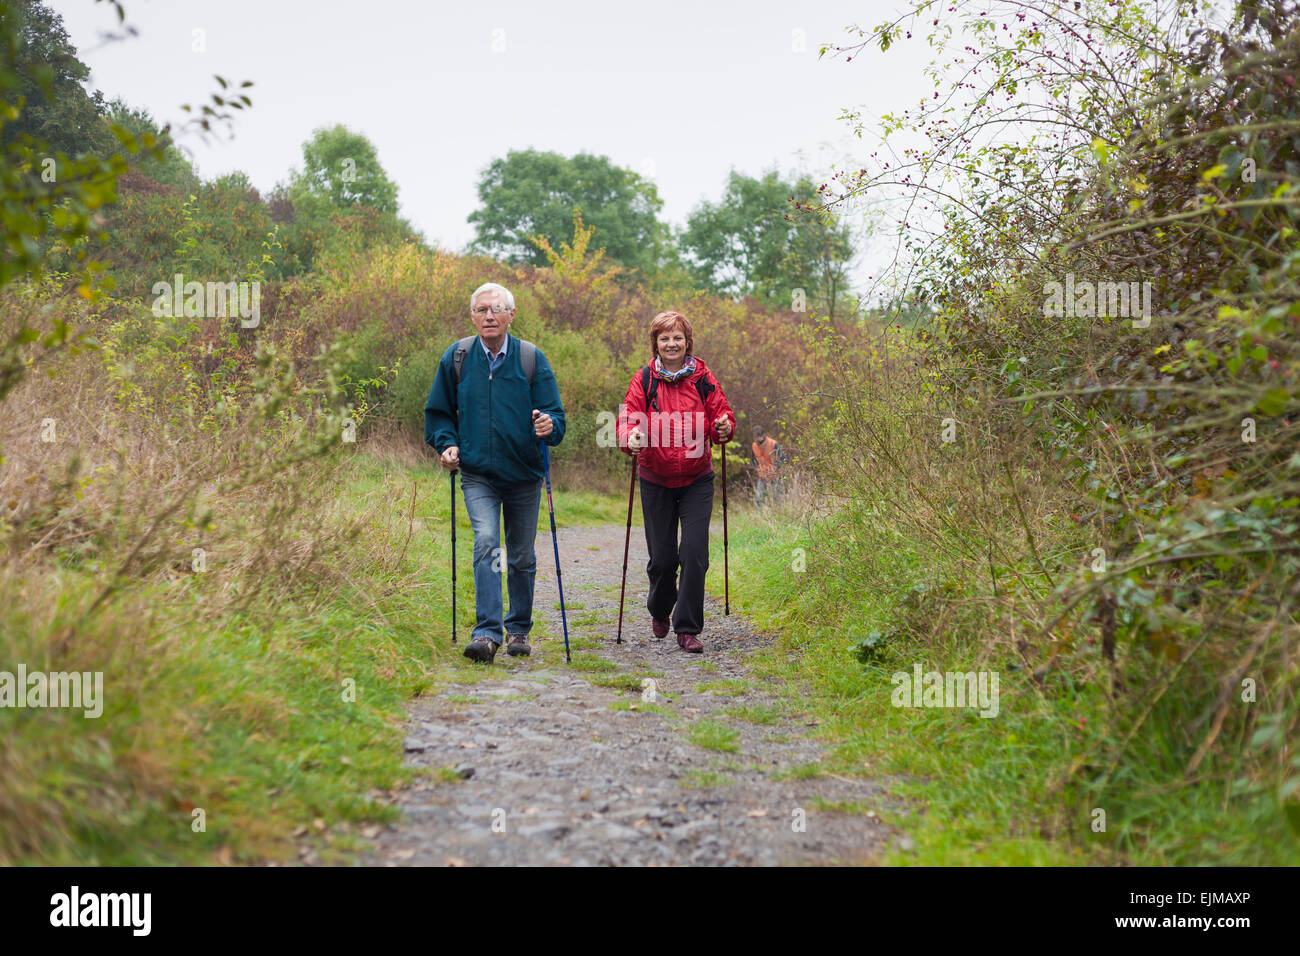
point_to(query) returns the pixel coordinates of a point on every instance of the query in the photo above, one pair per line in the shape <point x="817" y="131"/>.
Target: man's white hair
<point x="492" y="287"/>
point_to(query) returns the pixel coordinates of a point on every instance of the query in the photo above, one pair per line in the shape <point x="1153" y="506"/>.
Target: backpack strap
<point x="649" y="385"/>
<point x="527" y="355"/>
<point x="462" y="349"/>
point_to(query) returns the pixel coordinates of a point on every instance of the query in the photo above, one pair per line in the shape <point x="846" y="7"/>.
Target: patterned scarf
<point x="688" y="368"/>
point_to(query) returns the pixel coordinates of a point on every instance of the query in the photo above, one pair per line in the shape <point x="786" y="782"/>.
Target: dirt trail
<point x="554" y="768"/>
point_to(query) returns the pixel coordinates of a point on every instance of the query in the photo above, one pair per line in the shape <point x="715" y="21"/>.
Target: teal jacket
<point x="489" y="417"/>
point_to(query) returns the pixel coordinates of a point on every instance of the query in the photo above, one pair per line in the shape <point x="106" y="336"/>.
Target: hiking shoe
<point x="517" y="645"/>
<point x="481" y="649"/>
<point x="660" y="626"/>
<point x="690" y="644"/>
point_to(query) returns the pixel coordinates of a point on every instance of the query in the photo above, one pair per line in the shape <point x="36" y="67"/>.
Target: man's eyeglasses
<point x="494" y="309"/>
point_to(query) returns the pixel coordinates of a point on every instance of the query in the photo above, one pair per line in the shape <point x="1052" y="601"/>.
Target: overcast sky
<point x="682" y="91"/>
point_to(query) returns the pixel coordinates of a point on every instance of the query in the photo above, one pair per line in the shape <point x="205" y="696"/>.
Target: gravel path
<point x="535" y="762"/>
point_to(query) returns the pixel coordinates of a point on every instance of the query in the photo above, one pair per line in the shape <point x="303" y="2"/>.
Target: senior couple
<point x="495" y="400"/>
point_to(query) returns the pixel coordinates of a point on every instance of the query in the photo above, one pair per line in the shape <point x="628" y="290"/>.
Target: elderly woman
<point x="673" y="411"/>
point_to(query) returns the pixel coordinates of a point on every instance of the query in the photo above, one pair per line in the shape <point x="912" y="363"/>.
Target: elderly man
<point x="494" y="400"/>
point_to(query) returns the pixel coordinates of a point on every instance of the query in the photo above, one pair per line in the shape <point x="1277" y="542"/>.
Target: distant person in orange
<point x="769" y="459"/>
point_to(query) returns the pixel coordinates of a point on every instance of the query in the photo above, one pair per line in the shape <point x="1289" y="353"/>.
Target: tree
<point x="56" y="173"/>
<point x="342" y="167"/>
<point x="531" y="193"/>
<point x="42" y="68"/>
<point x="766" y="238"/>
<point x="165" y="163"/>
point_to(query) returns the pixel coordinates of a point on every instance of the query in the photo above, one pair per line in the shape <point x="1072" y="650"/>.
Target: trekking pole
<point x="631" y="493"/>
<point x="555" y="541"/>
<point x="726" y="574"/>
<point x="452" y="475"/>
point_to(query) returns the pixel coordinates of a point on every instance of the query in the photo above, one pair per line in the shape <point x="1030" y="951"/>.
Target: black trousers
<point x="664" y="509"/>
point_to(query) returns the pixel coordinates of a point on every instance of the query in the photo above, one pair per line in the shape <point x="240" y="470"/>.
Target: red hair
<point x="668" y="322"/>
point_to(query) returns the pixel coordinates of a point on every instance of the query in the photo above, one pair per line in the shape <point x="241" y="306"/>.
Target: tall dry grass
<point x="170" y="505"/>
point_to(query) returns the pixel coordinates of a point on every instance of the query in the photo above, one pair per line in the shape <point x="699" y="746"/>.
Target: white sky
<point x="684" y="89"/>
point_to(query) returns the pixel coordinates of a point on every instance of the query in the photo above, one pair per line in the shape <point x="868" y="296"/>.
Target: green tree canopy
<point x="60" y="161"/>
<point x="536" y="193"/>
<point x="767" y="237"/>
<point x="40" y="66"/>
<point x="165" y="163"/>
<point x="342" y="167"/>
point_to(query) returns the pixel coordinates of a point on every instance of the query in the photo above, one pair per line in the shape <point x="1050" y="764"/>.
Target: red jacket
<point x="681" y="431"/>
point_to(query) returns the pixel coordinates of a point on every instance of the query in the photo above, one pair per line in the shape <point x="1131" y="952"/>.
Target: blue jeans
<point x="487" y="502"/>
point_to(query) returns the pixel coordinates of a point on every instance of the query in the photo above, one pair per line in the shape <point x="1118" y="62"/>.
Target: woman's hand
<point x="723" y="425"/>
<point x="636" y="439"/>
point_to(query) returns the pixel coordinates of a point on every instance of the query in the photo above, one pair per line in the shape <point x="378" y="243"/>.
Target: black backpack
<point x="527" y="355"/>
<point x="650" y="386"/>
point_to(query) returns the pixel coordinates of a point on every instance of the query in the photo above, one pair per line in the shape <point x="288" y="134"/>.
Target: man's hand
<point x="636" y="439"/>
<point x="542" y="424"/>
<point x="723" y="425"/>
<point x="450" y="458"/>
